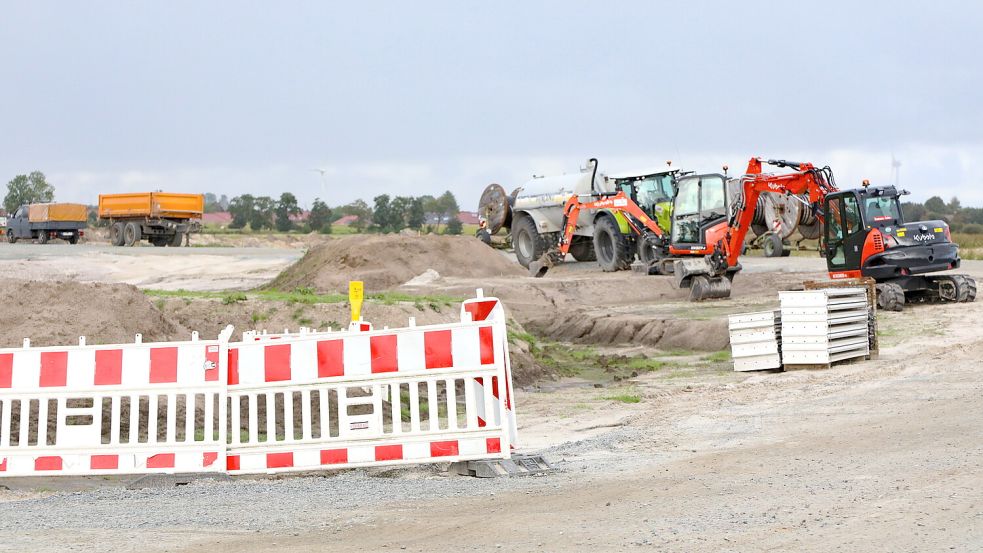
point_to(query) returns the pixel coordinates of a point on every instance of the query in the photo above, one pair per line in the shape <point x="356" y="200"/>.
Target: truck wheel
<point x="159" y="241"/>
<point x="582" y="249"/>
<point x="132" y="234"/>
<point x="610" y="246"/>
<point x="529" y="245"/>
<point x="890" y="296"/>
<point x="116" y="234"/>
<point x="177" y="239"/>
<point x="10" y="236"/>
<point x="73" y="239"/>
<point x="43" y="237"/>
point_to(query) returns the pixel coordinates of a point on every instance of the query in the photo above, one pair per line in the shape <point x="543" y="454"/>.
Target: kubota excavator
<point x="864" y="234"/>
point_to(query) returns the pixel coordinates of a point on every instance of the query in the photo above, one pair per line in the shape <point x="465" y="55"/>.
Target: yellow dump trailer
<point x="162" y="218"/>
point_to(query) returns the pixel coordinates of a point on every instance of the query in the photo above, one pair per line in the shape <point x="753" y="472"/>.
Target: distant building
<point x="468" y="217"/>
<point x="300" y="217"/>
<point x="346" y="220"/>
<point x="220" y="218"/>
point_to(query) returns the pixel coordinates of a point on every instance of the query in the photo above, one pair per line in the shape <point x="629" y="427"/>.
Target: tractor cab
<point x="651" y="190"/>
<point x="866" y="235"/>
<point x="699" y="214"/>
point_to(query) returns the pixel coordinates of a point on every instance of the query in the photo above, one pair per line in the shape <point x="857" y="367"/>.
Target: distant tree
<point x="973" y="215"/>
<point x="262" y="215"/>
<point x="382" y="213"/>
<point x="936" y="204"/>
<point x="913" y="211"/>
<point x="441" y="208"/>
<point x="285" y="207"/>
<point x="954" y="205"/>
<point x="223" y="202"/>
<point x="399" y="213"/>
<point x="211" y="203"/>
<point x="359" y="209"/>
<point x="320" y="217"/>
<point x="454" y="226"/>
<point x="241" y="208"/>
<point x="416" y="215"/>
<point x="28" y="189"/>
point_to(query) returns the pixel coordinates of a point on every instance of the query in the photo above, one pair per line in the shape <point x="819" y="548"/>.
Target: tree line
<point x="959" y="218"/>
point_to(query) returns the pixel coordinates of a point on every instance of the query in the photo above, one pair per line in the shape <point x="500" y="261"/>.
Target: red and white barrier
<point x="269" y="403"/>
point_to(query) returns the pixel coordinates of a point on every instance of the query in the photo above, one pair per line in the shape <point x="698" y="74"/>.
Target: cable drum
<point x="809" y="226"/>
<point x="771" y="208"/>
<point x="494" y="207"/>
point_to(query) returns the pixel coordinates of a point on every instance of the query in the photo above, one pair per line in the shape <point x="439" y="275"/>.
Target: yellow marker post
<point x="356" y="292"/>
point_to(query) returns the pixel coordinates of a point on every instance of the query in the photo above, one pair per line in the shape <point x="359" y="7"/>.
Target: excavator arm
<point x="805" y="179"/>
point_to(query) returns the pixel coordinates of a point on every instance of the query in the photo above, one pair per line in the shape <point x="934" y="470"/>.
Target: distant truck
<point x="43" y="222"/>
<point x="161" y="218"/>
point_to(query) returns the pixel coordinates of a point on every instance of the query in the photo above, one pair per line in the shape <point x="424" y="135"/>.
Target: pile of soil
<point x="386" y="261"/>
<point x="57" y="313"/>
<point x="607" y="330"/>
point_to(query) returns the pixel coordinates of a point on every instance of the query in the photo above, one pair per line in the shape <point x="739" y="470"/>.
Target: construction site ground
<point x="657" y="443"/>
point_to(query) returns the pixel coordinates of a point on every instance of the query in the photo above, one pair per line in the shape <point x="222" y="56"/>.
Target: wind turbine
<point x="322" y="171"/>
<point x="896" y="169"/>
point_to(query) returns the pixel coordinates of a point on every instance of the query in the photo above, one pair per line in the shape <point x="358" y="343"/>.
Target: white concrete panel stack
<point x="755" y="340"/>
<point x="820" y="327"/>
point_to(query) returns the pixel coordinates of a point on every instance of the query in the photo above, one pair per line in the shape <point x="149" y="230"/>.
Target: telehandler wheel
<point x="582" y="249"/>
<point x="890" y="296"/>
<point x="611" y="247"/>
<point x="649" y="250"/>
<point x="772" y="245"/>
<point x="177" y="239"/>
<point x="529" y="245"/>
<point x="131" y="234"/>
<point x="116" y="234"/>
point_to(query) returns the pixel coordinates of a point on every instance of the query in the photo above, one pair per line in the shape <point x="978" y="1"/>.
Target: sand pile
<point x="57" y="313"/>
<point x="387" y="261"/>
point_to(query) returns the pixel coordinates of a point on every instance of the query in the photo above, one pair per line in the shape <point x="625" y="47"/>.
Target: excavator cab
<point x="699" y="215"/>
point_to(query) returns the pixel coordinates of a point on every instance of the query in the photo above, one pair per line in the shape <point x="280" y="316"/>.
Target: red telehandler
<point x="864" y="234"/>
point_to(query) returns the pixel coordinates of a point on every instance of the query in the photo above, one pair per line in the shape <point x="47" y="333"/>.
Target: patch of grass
<point x="258" y="317"/>
<point x="233" y="297"/>
<point x="646" y="364"/>
<point x="721" y="356"/>
<point x="517" y="336"/>
<point x="624" y="398"/>
<point x="160" y="304"/>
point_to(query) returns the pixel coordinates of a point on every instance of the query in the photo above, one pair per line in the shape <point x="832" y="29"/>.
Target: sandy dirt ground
<point x="879" y="455"/>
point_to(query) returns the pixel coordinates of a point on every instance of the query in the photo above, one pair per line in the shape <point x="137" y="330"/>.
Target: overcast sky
<point x="419" y="97"/>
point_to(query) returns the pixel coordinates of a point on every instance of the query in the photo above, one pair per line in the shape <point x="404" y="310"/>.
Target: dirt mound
<point x="387" y="261"/>
<point x="668" y="333"/>
<point x="57" y="313"/>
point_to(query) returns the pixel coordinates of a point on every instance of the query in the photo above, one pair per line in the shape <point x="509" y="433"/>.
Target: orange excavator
<point x="864" y="234"/>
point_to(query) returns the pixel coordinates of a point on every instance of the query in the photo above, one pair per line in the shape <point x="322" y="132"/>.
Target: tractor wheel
<point x="610" y="246"/>
<point x="650" y="249"/>
<point x="582" y="249"/>
<point x="177" y="239"/>
<point x="529" y="245"/>
<point x="116" y="234"/>
<point x="890" y="296"/>
<point x="773" y="245"/>
<point x="132" y="234"/>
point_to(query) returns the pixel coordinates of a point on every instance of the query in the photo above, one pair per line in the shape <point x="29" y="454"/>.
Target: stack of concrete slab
<point x="755" y="340"/>
<point x="821" y="327"/>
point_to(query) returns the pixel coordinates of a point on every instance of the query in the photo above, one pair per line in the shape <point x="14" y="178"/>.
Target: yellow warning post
<point x="356" y="292"/>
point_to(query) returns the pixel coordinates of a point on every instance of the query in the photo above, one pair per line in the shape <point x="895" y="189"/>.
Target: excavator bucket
<point x="541" y="266"/>
<point x="705" y="287"/>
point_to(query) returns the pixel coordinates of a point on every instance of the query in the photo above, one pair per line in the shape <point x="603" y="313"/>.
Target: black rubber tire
<point x="610" y="246"/>
<point x="528" y="244"/>
<point x="132" y="234"/>
<point x="176" y="240"/>
<point x="483" y="235"/>
<point x="582" y="249"/>
<point x="772" y="244"/>
<point x="890" y="296"/>
<point x="116" y="234"/>
<point x="158" y="241"/>
<point x="962" y="287"/>
<point x="43" y="237"/>
<point x="648" y="250"/>
<point x="11" y="237"/>
<point x="970" y="288"/>
<point x="73" y="239"/>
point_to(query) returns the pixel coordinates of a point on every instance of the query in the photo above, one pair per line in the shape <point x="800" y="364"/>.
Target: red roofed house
<point x="346" y="220"/>
<point x="220" y="218"/>
<point x="468" y="217"/>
